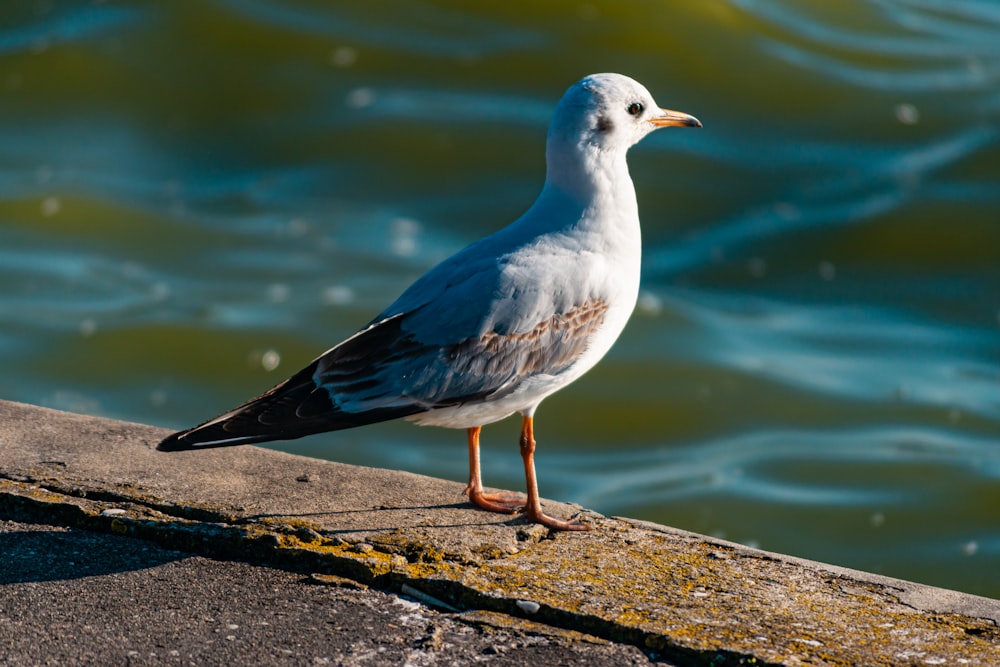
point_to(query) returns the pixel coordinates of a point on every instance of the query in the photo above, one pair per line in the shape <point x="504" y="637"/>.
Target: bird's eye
<point x="635" y="109"/>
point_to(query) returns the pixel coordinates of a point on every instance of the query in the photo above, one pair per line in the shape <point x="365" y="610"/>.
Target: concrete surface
<point x="677" y="596"/>
<point x="76" y="597"/>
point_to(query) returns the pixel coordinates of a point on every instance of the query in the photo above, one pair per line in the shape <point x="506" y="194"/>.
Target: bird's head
<point x="610" y="112"/>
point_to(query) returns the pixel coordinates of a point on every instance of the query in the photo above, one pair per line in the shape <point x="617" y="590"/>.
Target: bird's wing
<point x="490" y="365"/>
<point x="385" y="372"/>
<point x="303" y="404"/>
<point x="468" y="330"/>
<point x="481" y="322"/>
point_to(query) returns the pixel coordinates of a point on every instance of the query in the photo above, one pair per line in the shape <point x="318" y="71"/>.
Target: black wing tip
<point x="193" y="439"/>
<point x="174" y="443"/>
<point x="210" y="436"/>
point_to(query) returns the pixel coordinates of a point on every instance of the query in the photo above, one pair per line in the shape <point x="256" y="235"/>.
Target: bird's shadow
<point x="60" y="555"/>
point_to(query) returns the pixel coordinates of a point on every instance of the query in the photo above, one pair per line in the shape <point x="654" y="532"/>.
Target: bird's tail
<point x="295" y="408"/>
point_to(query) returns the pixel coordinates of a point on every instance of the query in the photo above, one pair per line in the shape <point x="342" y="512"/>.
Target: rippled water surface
<point x="196" y="198"/>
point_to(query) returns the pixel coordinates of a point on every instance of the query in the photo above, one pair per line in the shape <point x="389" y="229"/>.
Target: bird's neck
<point x="592" y="181"/>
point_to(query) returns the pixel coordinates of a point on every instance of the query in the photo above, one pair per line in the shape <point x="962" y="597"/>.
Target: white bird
<point x="500" y="325"/>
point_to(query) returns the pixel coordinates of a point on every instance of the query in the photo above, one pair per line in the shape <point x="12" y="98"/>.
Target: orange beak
<point x="668" y="118"/>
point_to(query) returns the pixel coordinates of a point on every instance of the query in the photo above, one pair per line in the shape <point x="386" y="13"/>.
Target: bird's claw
<point x="504" y="502"/>
<point x="556" y="524"/>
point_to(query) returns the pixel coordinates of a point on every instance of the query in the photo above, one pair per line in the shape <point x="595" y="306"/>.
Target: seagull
<point x="494" y="329"/>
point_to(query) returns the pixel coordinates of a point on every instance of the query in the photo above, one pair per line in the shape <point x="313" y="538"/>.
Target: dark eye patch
<point x="604" y="124"/>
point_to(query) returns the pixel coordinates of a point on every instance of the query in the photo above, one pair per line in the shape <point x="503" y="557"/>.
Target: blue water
<point x="198" y="198"/>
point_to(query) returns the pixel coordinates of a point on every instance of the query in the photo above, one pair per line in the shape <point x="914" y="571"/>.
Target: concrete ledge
<point x="679" y="596"/>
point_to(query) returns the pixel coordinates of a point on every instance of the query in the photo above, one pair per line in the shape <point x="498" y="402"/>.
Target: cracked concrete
<point x="678" y="596"/>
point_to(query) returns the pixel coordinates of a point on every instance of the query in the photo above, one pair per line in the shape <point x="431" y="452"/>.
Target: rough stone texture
<point x="679" y="596"/>
<point x="75" y="597"/>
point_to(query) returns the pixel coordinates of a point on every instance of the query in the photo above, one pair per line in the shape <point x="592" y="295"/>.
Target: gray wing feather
<point x="408" y="373"/>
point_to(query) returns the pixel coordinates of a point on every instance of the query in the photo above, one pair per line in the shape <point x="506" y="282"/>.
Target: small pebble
<point x="528" y="607"/>
<point x="114" y="511"/>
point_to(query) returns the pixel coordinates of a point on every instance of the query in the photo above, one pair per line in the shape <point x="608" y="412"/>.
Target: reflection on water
<point x="198" y="198"/>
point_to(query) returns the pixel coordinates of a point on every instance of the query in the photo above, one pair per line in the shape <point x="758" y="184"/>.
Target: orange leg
<point x="505" y="502"/>
<point x="533" y="508"/>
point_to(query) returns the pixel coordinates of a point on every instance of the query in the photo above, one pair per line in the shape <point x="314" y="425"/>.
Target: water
<point x="196" y="198"/>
